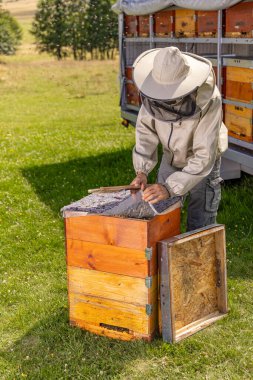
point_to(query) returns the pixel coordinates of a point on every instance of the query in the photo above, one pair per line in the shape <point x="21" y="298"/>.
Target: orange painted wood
<point x="101" y="311"/>
<point x="207" y="23"/>
<point x="239" y="20"/>
<point x="132" y="94"/>
<point x="129" y="73"/>
<point x="107" y="266"/>
<point x="112" y="286"/>
<point x="108" y="230"/>
<point x="130" y="26"/>
<point x="99" y="330"/>
<point x="239" y="122"/>
<point x="239" y="84"/>
<point x="143" y="26"/>
<point x="164" y="23"/>
<point x="239" y="74"/>
<point x="185" y="25"/>
<point x="239" y="91"/>
<point x="107" y="258"/>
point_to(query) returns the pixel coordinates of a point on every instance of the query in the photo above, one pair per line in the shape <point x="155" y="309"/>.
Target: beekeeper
<point x="182" y="110"/>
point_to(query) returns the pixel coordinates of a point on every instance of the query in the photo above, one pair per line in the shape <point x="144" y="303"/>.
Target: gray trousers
<point x="204" y="198"/>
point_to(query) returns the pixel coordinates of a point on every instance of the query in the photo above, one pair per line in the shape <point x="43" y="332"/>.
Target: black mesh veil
<point x="172" y="110"/>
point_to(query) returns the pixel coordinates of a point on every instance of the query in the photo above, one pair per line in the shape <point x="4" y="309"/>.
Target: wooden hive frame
<point x="193" y="285"/>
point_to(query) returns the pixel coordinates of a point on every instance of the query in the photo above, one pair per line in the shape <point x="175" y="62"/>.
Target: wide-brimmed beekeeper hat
<point x="167" y="73"/>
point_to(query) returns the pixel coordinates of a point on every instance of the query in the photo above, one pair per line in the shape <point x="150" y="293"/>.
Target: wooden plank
<point x="107" y="258"/>
<point x="164" y="226"/>
<point x="143" y="26"/>
<point x="178" y="239"/>
<point x="132" y="94"/>
<point x="193" y="271"/>
<point x="111" y="286"/>
<point x="185" y="25"/>
<point x="198" y="325"/>
<point x="165" y="301"/>
<point x="239" y="126"/>
<point x="240" y="91"/>
<point x="130" y="26"/>
<point x="207" y="23"/>
<point x="239" y="74"/>
<point x="220" y="244"/>
<point x="164" y="23"/>
<point x="239" y="20"/>
<point x="108" y="230"/>
<point x="103" y="331"/>
<point x="106" y="312"/>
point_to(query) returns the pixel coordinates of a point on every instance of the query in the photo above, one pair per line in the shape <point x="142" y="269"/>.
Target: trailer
<point x="225" y="36"/>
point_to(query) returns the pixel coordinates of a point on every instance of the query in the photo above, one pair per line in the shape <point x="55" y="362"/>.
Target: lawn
<point x="60" y="134"/>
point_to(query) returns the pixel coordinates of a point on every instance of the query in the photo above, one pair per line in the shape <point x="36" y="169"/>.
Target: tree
<point x="50" y="27"/>
<point x="10" y="33"/>
<point x="76" y="29"/>
<point x="102" y="28"/>
<point x="78" y="26"/>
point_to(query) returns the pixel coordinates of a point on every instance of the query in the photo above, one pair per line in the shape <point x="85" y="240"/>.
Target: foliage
<point x="77" y="26"/>
<point x="10" y="33"/>
<point x="50" y="27"/>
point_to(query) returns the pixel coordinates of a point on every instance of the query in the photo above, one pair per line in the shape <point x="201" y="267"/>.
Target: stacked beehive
<point x="236" y="78"/>
<point x="238" y="118"/>
<point x="112" y="272"/>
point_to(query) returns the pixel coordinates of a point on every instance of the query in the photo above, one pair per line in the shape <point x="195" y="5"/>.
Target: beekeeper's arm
<point x="145" y="155"/>
<point x="205" y="150"/>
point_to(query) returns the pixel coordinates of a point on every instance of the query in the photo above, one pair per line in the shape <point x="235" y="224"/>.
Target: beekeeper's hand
<point x="140" y="180"/>
<point x="155" y="193"/>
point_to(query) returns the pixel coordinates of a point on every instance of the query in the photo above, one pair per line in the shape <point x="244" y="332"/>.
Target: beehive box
<point x="239" y="20"/>
<point x="207" y="23"/>
<point x="239" y="122"/>
<point x="185" y="23"/>
<point x="143" y="26"/>
<point x="129" y="73"/>
<point x="193" y="285"/>
<point x="239" y="83"/>
<point x="112" y="272"/>
<point x="164" y="23"/>
<point x="132" y="94"/>
<point x="130" y="26"/>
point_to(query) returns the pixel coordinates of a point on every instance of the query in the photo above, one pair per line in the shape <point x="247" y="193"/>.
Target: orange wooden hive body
<point x="112" y="272"/>
<point x="164" y="24"/>
<point x="185" y="25"/>
<point x="207" y="23"/>
<point x="238" y="119"/>
<point x="239" y="20"/>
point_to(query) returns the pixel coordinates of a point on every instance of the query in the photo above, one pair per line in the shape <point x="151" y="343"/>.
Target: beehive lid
<point x="120" y="203"/>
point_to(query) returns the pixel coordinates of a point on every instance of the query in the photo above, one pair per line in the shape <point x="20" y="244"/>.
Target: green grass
<point x="60" y="134"/>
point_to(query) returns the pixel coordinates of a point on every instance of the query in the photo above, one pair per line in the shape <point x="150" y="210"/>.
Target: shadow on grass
<point x="54" y="350"/>
<point x="59" y="184"/>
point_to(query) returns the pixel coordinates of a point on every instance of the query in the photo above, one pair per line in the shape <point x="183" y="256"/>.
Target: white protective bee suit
<point x="192" y="145"/>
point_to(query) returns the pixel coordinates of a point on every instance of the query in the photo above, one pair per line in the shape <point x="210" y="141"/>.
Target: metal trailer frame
<point x="239" y="156"/>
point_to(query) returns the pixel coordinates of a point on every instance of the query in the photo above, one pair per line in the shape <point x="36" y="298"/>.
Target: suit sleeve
<point x="145" y="155"/>
<point x="205" y="150"/>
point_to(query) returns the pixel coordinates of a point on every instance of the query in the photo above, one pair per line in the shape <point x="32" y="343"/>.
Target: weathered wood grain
<point x="107" y="258"/>
<point x="111" y="286"/>
<point x="101" y="312"/>
<point x="108" y="230"/>
<point x="185" y="25"/>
